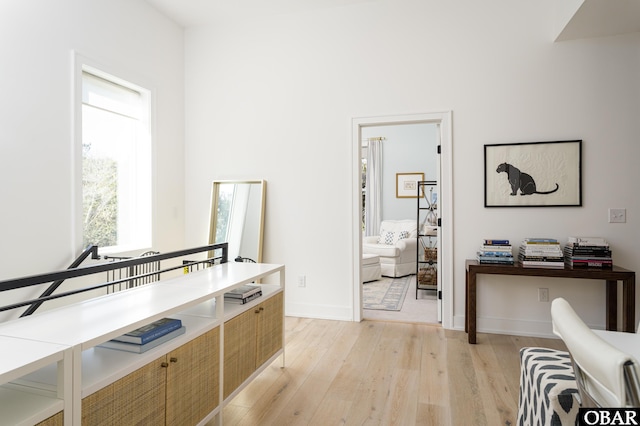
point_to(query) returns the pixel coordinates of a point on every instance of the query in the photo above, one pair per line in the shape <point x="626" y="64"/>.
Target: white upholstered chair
<point x="606" y="376"/>
<point x="396" y="245"/>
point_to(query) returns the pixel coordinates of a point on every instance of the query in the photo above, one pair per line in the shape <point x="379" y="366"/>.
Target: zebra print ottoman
<point x="547" y="388"/>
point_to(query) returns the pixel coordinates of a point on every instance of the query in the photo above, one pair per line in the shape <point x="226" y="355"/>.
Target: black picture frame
<point x="533" y="174"/>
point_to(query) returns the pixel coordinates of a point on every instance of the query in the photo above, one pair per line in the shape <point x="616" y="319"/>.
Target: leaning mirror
<point x="237" y="217"/>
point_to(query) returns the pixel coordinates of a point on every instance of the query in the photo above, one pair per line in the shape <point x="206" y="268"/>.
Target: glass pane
<point x="225" y="200"/>
<point x="108" y="167"/>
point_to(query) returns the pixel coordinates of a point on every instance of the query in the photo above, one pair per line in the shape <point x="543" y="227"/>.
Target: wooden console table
<point x="610" y="276"/>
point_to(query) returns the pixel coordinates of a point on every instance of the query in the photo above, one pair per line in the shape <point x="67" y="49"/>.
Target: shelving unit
<point x="53" y="355"/>
<point x="21" y="357"/>
<point x="427" y="253"/>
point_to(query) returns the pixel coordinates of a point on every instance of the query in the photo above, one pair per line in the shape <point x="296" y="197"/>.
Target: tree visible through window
<point x="99" y="200"/>
<point x="116" y="163"/>
<point x="225" y="202"/>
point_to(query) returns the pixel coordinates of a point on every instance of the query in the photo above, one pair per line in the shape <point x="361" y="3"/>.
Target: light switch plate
<point x="617" y="215"/>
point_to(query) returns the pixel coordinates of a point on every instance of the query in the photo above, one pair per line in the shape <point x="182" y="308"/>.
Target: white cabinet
<point x="53" y="354"/>
<point x="21" y="357"/>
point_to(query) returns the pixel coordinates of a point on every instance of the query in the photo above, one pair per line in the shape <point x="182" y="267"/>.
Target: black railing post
<point x="225" y="254"/>
<point x="91" y="250"/>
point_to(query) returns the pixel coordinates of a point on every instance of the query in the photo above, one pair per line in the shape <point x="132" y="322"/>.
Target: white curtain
<point x="373" y="196"/>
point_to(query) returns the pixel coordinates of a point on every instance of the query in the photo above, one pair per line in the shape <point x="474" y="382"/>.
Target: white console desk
<point x="49" y="361"/>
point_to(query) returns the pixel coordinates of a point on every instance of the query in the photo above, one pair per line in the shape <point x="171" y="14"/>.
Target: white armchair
<point x="606" y="376"/>
<point x="396" y="245"/>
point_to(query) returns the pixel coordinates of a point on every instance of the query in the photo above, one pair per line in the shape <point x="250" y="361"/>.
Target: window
<point x="116" y="163"/>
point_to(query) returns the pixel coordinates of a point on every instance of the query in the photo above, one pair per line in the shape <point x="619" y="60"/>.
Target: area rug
<point x="385" y="294"/>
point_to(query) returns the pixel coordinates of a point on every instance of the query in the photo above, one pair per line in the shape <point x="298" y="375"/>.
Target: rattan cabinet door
<point x="138" y="398"/>
<point x="193" y="379"/>
<point x="239" y="349"/>
<point x="269" y="329"/>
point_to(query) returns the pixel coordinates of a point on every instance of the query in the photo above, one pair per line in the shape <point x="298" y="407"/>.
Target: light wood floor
<point x="385" y="373"/>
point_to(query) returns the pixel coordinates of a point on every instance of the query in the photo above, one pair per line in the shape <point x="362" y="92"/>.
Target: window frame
<point x="125" y="78"/>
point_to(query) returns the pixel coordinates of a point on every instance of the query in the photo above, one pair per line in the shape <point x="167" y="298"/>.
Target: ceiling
<point x="599" y="18"/>
<point x="190" y="13"/>
<point x="593" y="18"/>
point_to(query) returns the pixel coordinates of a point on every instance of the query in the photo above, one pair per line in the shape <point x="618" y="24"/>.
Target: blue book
<point x="496" y="242"/>
<point x="150" y="332"/>
<point x="495" y="253"/>
<point x="133" y="347"/>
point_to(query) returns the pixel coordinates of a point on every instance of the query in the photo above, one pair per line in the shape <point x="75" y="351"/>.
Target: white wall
<point x="274" y="98"/>
<point x="37" y="38"/>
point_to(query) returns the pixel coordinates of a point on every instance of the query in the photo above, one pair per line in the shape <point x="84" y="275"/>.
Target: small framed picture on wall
<point x="407" y="184"/>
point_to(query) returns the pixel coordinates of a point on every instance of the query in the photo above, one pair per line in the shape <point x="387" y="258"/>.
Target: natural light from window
<point x="116" y="163"/>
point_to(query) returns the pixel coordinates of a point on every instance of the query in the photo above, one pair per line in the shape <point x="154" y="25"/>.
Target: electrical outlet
<point x="617" y="215"/>
<point x="302" y="281"/>
<point x="543" y="295"/>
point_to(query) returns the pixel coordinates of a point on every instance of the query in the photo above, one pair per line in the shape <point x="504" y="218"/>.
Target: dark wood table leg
<point x="466" y="300"/>
<point x="629" y="304"/>
<point x="471" y="307"/>
<point x="611" y="322"/>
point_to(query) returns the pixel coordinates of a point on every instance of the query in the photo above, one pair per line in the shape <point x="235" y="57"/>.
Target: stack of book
<point x="588" y="252"/>
<point x="243" y="294"/>
<point x="495" y="251"/>
<point x="146" y="337"/>
<point x="541" y="252"/>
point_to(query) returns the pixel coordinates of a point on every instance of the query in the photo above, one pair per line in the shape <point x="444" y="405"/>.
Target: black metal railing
<point x="91" y="250"/>
<point x="134" y="272"/>
<point x="61" y="276"/>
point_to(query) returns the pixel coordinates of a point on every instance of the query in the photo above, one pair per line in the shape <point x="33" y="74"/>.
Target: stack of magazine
<point x="243" y="294"/>
<point x="541" y="253"/>
<point x="146" y="337"/>
<point x="588" y="252"/>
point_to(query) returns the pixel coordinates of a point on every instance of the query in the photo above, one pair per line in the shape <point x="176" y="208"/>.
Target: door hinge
<point x="439" y="149"/>
<point x="439" y="222"/>
<point x="439" y="294"/>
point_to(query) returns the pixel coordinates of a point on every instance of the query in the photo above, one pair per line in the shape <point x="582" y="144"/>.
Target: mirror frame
<point x="214" y="211"/>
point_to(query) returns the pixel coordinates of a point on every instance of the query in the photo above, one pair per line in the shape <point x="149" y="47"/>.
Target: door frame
<point x="443" y="120"/>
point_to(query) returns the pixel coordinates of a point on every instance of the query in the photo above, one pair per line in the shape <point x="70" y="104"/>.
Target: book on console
<point x="505" y="248"/>
<point x="590" y="263"/>
<point x="242" y="291"/>
<point x="242" y="301"/>
<point x="541" y="253"/>
<point x="541" y="264"/>
<point x="496" y="260"/>
<point x="150" y="332"/>
<point x="547" y="256"/>
<point x="495" y="253"/>
<point x="495" y="242"/>
<point x="587" y="249"/>
<point x="140" y="348"/>
<point x="543" y="241"/>
<point x="587" y="241"/>
<point x="593" y="258"/>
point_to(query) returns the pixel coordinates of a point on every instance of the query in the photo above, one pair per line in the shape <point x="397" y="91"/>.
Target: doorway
<point x="442" y="121"/>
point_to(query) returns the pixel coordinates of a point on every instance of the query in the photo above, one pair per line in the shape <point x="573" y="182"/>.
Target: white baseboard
<point x="512" y="327"/>
<point x="330" y="312"/>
